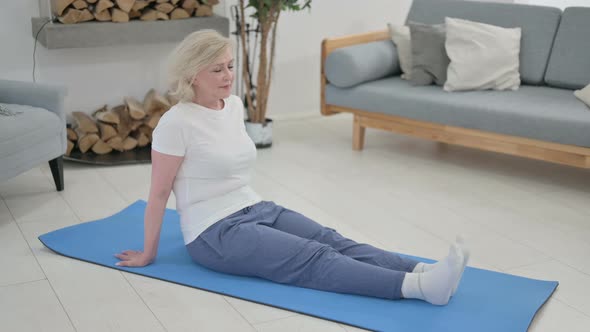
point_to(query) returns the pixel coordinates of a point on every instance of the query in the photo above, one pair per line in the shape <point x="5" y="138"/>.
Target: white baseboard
<point x="295" y="116"/>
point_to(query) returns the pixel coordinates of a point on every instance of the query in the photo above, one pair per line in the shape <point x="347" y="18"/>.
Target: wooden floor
<point x="521" y="216"/>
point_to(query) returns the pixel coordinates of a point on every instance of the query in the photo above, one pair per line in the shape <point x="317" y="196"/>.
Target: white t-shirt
<point x="213" y="179"/>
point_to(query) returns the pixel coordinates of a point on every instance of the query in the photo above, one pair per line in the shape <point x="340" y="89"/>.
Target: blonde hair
<point x="197" y="51"/>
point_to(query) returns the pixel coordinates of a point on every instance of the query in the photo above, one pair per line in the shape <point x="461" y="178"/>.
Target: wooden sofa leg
<point x="57" y="170"/>
<point x="358" y="134"/>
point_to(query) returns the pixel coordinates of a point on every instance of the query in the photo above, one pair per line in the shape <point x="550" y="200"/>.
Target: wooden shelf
<point x="97" y="34"/>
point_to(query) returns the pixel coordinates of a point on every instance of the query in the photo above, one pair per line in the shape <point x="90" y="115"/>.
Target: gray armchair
<point x="33" y="130"/>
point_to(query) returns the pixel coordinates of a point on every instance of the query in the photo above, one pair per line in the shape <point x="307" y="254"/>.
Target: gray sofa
<point x="541" y="120"/>
<point x="33" y="130"/>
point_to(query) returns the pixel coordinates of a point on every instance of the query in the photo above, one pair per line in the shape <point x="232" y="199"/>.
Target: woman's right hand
<point x="164" y="169"/>
<point x="133" y="258"/>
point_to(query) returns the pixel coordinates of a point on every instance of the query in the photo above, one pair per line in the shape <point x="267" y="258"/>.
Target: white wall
<point x="95" y="76"/>
<point x="296" y="83"/>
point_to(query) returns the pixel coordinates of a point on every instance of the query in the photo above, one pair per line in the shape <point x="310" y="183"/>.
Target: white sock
<point x="460" y="243"/>
<point x="434" y="286"/>
<point x="465" y="251"/>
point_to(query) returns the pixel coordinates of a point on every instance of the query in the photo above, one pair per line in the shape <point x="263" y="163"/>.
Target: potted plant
<point x="266" y="14"/>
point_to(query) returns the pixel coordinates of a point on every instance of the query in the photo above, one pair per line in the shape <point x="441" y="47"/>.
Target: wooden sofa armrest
<point x="331" y="44"/>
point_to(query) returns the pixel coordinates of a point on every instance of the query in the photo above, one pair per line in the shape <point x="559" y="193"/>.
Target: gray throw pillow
<point x="429" y="58"/>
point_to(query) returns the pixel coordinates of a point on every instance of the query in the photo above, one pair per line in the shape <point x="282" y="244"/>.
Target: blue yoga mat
<point x="486" y="300"/>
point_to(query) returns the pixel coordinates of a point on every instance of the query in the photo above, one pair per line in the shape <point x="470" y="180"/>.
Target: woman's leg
<point x="246" y="244"/>
<point x="297" y="224"/>
<point x="253" y="249"/>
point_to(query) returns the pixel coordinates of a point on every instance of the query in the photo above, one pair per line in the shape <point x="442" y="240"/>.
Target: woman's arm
<point x="164" y="170"/>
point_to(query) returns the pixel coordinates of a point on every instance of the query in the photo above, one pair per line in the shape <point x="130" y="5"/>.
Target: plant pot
<point x="261" y="134"/>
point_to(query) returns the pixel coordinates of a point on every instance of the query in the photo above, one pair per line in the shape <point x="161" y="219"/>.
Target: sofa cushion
<point x="543" y="113"/>
<point x="400" y="35"/>
<point x="429" y="58"/>
<point x="483" y="56"/>
<point x="29" y="127"/>
<point x="349" y="66"/>
<point x="538" y="24"/>
<point x="569" y="64"/>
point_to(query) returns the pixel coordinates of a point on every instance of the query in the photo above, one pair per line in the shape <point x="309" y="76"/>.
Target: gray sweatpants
<point x="269" y="241"/>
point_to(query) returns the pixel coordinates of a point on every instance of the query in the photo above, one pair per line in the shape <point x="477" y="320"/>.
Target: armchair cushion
<point x="32" y="129"/>
<point x="31" y="135"/>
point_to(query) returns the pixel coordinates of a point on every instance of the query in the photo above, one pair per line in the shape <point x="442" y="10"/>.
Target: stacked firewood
<point x="76" y="11"/>
<point x="121" y="128"/>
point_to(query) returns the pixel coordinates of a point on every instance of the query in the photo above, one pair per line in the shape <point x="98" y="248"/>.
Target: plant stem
<point x="245" y="69"/>
<point x="261" y="87"/>
<point x="272" y="51"/>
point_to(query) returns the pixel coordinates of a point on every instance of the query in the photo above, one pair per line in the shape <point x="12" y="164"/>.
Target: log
<point x="135" y="108"/>
<point x="204" y="10"/>
<point x="162" y="16"/>
<point x="129" y="143"/>
<point x="152" y="120"/>
<point x="106" y="131"/>
<point x="80" y="133"/>
<point x="106" y="116"/>
<point x="91" y="1"/>
<point x="212" y="2"/>
<point x="71" y="16"/>
<point x="86" y="16"/>
<point x="146" y="130"/>
<point x="103" y="16"/>
<point x="125" y="5"/>
<point x="135" y="124"/>
<point x="59" y="6"/>
<point x="154" y="102"/>
<point x="161" y="1"/>
<point x="119" y="16"/>
<point x="191" y="12"/>
<point x="84" y="122"/>
<point x="190" y="4"/>
<point x="179" y="13"/>
<point x="116" y="143"/>
<point x="165" y="7"/>
<point x="174" y="2"/>
<point x="87" y="141"/>
<point x="103" y="5"/>
<point x="72" y="136"/>
<point x="69" y="148"/>
<point x="139" y="5"/>
<point x="134" y="14"/>
<point x="149" y="15"/>
<point x="141" y="138"/>
<point x="124" y="127"/>
<point x="100" y="147"/>
<point x="80" y="4"/>
<point x="172" y="99"/>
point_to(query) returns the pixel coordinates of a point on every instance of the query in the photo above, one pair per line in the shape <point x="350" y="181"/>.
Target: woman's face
<point x="216" y="80"/>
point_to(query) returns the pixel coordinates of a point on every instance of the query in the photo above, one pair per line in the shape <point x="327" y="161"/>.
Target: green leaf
<point x="262" y="7"/>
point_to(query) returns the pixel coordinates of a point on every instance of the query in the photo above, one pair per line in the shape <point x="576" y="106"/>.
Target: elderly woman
<point x="202" y="152"/>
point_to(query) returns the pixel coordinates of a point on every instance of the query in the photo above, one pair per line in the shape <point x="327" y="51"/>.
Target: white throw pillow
<point x="400" y="35"/>
<point x="584" y="95"/>
<point x="482" y="56"/>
